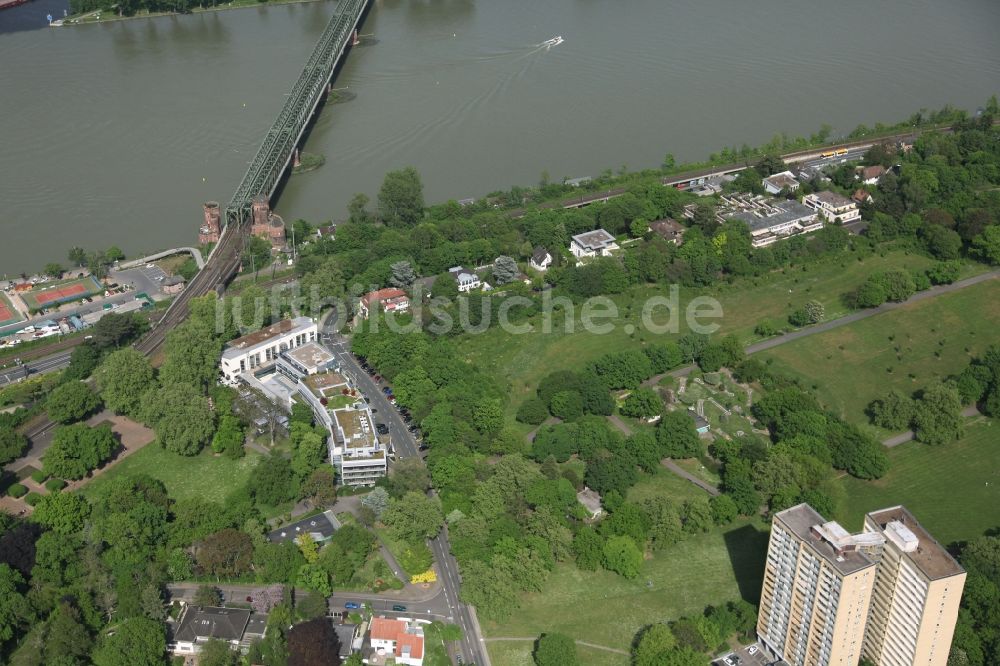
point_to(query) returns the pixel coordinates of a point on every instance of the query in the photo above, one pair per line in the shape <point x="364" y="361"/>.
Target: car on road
<point x="398" y="608"/>
<point x="352" y="605"/>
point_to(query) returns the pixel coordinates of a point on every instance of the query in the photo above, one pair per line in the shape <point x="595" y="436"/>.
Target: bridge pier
<point x="354" y="38"/>
<point x="295" y="158"/>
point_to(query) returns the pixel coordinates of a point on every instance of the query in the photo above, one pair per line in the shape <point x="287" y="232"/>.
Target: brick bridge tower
<point x="211" y="227"/>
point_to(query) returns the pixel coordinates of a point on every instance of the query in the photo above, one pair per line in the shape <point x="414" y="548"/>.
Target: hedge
<point x="55" y="485"/>
<point x="39" y="476"/>
<point x="16" y="490"/>
<point x="32" y="499"/>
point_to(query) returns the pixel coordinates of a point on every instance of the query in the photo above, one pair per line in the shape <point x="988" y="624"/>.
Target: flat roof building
<point x="779" y="182"/>
<point x="597" y="243"/>
<point x="771" y="220"/>
<point x="918" y="587"/>
<point x="834" y="208"/>
<point x="261" y="349"/>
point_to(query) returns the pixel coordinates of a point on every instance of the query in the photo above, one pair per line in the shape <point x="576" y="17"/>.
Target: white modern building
<point x="261" y="349"/>
<point x="356" y="451"/>
<point x="770" y="220"/>
<point x="597" y="243"/>
<point x="835" y="208"/>
<point x="465" y="279"/>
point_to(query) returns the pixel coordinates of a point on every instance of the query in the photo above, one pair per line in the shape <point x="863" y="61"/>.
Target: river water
<point x="115" y="133"/>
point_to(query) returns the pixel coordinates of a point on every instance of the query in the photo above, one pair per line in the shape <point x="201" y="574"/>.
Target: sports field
<point x="8" y="315"/>
<point x="63" y="292"/>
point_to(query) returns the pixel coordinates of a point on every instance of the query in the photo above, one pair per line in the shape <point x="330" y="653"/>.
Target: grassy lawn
<point x="603" y="608"/>
<point x="521" y="360"/>
<point x="518" y="653"/>
<point x="204" y="476"/>
<point x="953" y="490"/>
<point x="665" y="483"/>
<point x="906" y="349"/>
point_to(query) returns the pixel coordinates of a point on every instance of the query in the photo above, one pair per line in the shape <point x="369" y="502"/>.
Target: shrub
<point x="17" y="490"/>
<point x="55" y="485"/>
<point x="533" y="411"/>
<point x="31" y="499"/>
<point x="39" y="476"/>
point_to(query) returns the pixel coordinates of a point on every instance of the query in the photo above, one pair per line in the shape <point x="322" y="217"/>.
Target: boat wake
<point x="549" y="43"/>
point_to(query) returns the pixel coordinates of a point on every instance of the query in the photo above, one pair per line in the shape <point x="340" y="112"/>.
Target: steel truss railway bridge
<point x="273" y="158"/>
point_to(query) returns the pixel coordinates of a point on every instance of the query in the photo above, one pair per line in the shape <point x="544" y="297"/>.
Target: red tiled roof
<point x="383" y="295"/>
<point x="395" y="630"/>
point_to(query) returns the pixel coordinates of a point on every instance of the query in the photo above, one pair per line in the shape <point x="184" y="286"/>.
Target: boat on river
<point x="555" y="41"/>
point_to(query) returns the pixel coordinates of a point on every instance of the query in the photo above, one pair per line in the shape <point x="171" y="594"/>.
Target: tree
<point x="309" y="454"/>
<point x="654" y="643"/>
<point x="377" y="500"/>
<point x="401" y="198"/>
<point x="272" y="480"/>
<point x="181" y="416"/>
<point x="215" y="652"/>
<point x="567" y="405"/>
<point x="207" y="595"/>
<point x="677" y="436"/>
<point x="77" y="256"/>
<point x="622" y="556"/>
<point x="402" y="274"/>
<point x="67" y="640"/>
<point x="487" y="415"/>
<point x="588" y="547"/>
<point x="12" y="445"/>
<point x="504" y="269"/>
<point x="987" y="244"/>
<point x="123" y="378"/>
<point x="532" y="411"/>
<point x="230" y="437"/>
<point x="115" y="329"/>
<point x="320" y="486"/>
<point x="642" y="402"/>
<point x="114" y="253"/>
<point x="492" y="590"/>
<point x="893" y="412"/>
<point x="814" y="311"/>
<point x="83" y="360"/>
<point x="14" y="608"/>
<point x="77" y="449"/>
<point x="63" y="513"/>
<point x="937" y="417"/>
<point x="137" y="641"/>
<point x="414" y="516"/>
<point x="724" y="509"/>
<point x="696" y="516"/>
<point x="555" y="650"/>
<point x="71" y="401"/>
<point x="609" y="472"/>
<point x="53" y="269"/>
<point x="313" y="642"/>
<point x="227" y="553"/>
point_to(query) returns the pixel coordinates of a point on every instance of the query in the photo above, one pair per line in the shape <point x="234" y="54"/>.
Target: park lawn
<point x="849" y="367"/>
<point x="603" y="608"/>
<point x="664" y="484"/>
<point x="953" y="490"/>
<point x="204" y="476"/>
<point x="518" y="653"/>
<point x="520" y="361"/>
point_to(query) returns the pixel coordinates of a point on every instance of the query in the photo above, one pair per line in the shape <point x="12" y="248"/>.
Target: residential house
<point x="260" y="350"/>
<point x="779" y="182"/>
<point x="860" y="196"/>
<point x="326" y="231"/>
<point x="701" y="424"/>
<point x="541" y="259"/>
<point x="400" y="639"/>
<point x="320" y="527"/>
<point x="388" y="300"/>
<point x="669" y="229"/>
<point x="834" y="208"/>
<point x="591" y="501"/>
<point x="597" y="243"/>
<point x="348" y="635"/>
<point x="199" y="624"/>
<point x="871" y="175"/>
<point x="466" y="279"/>
<point x="770" y="220"/>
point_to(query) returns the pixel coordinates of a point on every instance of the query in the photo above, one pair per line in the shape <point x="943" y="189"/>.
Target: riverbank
<point x="108" y="15"/>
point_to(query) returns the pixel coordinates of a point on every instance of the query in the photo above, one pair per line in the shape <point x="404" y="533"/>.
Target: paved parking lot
<point x="744" y="657"/>
<point x="142" y="278"/>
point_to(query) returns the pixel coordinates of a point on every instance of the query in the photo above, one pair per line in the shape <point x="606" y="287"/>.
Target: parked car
<point x="422" y="447"/>
<point x="752" y="649"/>
<point x="387" y="390"/>
<point x="382" y="428"/>
<point x="352" y="605"/>
<point x="398" y="608"/>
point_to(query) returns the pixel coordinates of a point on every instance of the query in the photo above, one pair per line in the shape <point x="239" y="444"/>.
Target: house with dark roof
<point x="541" y="259"/>
<point x="465" y="279"/>
<point x="669" y="229"/>
<point x="320" y="527"/>
<point x="199" y="624"/>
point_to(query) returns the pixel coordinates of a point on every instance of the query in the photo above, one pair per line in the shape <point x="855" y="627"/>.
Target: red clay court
<point x="68" y="291"/>
<point x="8" y="315"/>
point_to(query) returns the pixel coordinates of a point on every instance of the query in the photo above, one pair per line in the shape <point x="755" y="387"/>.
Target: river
<point x="115" y="133"/>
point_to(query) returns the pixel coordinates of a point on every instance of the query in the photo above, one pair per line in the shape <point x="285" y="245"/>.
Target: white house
<point x="872" y="174"/>
<point x="389" y="300"/>
<point x="597" y="243"/>
<point x="540" y="259"/>
<point x="785" y="180"/>
<point x="466" y="279"/>
<point x="399" y="639"/>
<point x="197" y="625"/>
<point x="261" y="349"/>
<point x="833" y="207"/>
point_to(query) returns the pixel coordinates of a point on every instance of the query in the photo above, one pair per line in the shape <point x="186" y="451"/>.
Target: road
<point x="472" y="647"/>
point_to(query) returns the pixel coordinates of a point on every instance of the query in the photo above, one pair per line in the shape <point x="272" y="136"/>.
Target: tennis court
<point x="8" y="315"/>
<point x="61" y="293"/>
